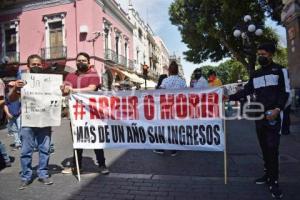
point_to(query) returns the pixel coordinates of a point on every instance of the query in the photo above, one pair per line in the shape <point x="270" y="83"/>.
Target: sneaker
<point x="45" y="181"/>
<point x="159" y="151"/>
<point x="173" y="153"/>
<point x="70" y="170"/>
<point x="262" y="180"/>
<point x="24" y="184"/>
<point x="275" y="190"/>
<point x="103" y="170"/>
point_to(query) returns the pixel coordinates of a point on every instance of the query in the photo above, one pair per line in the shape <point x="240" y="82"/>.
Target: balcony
<point x="131" y="64"/>
<point x="50" y="53"/>
<point x="13" y="56"/>
<point x="122" y="61"/>
<point x="111" y="55"/>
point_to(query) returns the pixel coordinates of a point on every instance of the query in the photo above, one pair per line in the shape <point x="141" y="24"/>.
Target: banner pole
<point x="225" y="149"/>
<point x="77" y="165"/>
<point x="75" y="150"/>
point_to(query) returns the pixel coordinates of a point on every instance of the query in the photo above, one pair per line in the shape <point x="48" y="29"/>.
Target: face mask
<point x="82" y="67"/>
<point x="263" y="61"/>
<point x="36" y="70"/>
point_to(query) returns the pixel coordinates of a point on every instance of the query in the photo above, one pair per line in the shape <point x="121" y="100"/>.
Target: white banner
<point x="41" y="100"/>
<point x="186" y="119"/>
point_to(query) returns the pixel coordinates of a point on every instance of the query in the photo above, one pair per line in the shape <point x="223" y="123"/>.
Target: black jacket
<point x="269" y="87"/>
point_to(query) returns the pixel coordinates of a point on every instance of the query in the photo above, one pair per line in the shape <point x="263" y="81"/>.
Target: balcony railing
<point x="122" y="61"/>
<point x="111" y="55"/>
<point x="130" y="64"/>
<point x="57" y="52"/>
<point x="13" y="56"/>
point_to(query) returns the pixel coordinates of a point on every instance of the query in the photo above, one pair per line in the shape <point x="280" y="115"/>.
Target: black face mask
<point x="36" y="70"/>
<point x="82" y="67"/>
<point x="263" y="61"/>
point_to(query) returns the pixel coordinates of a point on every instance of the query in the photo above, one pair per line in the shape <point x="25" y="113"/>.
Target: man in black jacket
<point x="269" y="87"/>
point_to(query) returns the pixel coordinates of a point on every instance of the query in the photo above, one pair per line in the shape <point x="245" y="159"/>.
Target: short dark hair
<point x="160" y="80"/>
<point x="268" y="47"/>
<point x="212" y="72"/>
<point x="197" y="73"/>
<point x="85" y="55"/>
<point x="32" y="57"/>
<point x="173" y="68"/>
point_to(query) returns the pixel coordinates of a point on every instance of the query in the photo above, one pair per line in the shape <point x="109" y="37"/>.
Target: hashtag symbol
<point x="79" y="109"/>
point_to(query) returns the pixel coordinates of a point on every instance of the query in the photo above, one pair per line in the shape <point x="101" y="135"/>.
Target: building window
<point x="140" y="33"/>
<point x="56" y="41"/>
<point x="10" y="43"/>
<point x="107" y="34"/>
<point x="106" y="39"/>
<point x="55" y="37"/>
<point x="126" y="49"/>
<point x="137" y="57"/>
<point x="117" y="43"/>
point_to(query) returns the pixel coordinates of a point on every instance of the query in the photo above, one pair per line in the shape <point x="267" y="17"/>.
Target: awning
<point x="133" y="77"/>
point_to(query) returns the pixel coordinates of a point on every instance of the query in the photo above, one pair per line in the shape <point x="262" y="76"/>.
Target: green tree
<point x="281" y="56"/>
<point x="229" y="71"/>
<point x="206" y="27"/>
<point x="273" y="9"/>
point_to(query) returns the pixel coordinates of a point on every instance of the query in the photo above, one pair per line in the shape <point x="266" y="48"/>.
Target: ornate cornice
<point x="115" y="11"/>
<point x="32" y="5"/>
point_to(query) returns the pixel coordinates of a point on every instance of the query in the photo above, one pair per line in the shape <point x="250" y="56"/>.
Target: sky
<point x="155" y="13"/>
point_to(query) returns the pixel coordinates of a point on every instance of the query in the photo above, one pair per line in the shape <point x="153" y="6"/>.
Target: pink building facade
<point x="58" y="30"/>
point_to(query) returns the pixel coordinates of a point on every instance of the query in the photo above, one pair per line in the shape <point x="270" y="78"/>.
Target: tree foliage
<point x="281" y="56"/>
<point x="206" y="27"/>
<point x="273" y="9"/>
<point x="232" y="70"/>
<point x="228" y="72"/>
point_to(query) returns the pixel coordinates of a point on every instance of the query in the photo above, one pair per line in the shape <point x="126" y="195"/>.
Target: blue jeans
<point x="3" y="152"/>
<point x="13" y="127"/>
<point x="32" y="137"/>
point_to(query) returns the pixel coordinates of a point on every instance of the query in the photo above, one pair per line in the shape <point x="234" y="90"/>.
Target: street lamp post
<point x="145" y="73"/>
<point x="245" y="31"/>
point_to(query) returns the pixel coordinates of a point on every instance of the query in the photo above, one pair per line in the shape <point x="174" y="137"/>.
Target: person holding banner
<point x="3" y="153"/>
<point x="200" y="81"/>
<point x="213" y="79"/>
<point x="174" y="81"/>
<point x="32" y="136"/>
<point x="268" y="83"/>
<point x="83" y="80"/>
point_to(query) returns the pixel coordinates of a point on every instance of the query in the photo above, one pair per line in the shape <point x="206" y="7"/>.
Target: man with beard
<point x="83" y="80"/>
<point x="268" y="83"/>
<point x="32" y="136"/>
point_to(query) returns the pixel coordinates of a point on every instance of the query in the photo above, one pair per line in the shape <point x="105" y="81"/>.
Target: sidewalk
<point x="141" y="174"/>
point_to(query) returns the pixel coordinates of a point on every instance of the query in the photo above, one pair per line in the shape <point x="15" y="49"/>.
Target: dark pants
<point x="269" y="140"/>
<point x="99" y="157"/>
<point x="286" y="121"/>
